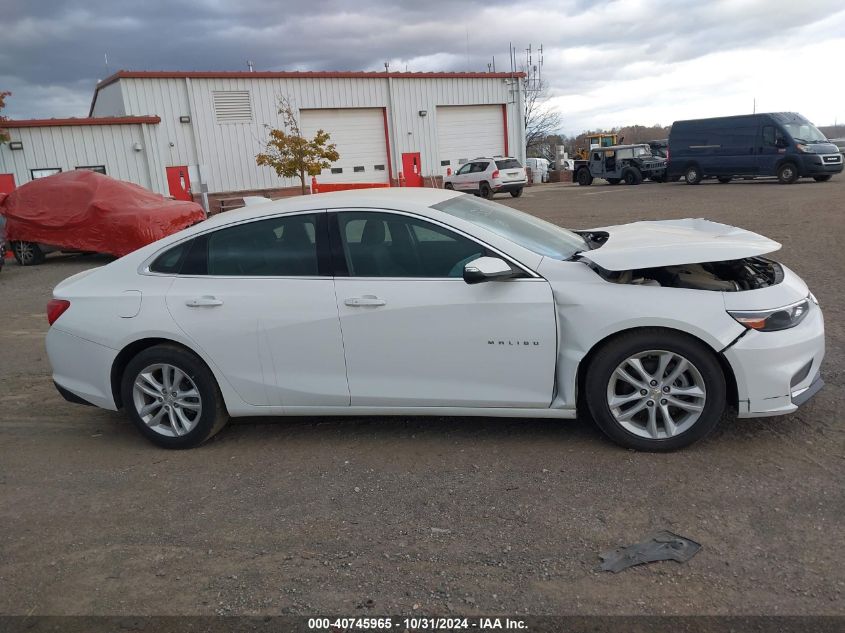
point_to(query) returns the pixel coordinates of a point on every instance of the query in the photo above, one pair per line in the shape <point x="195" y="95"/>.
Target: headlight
<point x="774" y="319"/>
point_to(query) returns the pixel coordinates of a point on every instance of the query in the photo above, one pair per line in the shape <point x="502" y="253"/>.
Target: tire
<point x="613" y="181"/>
<point x="787" y="174"/>
<point x="692" y="175"/>
<point x="180" y="427"/>
<point x="647" y="429"/>
<point x="584" y="177"/>
<point x="28" y="253"/>
<point x="485" y="191"/>
<point x="516" y="192"/>
<point x="449" y="186"/>
<point x="824" y="178"/>
<point x="632" y="176"/>
<point x="724" y="179"/>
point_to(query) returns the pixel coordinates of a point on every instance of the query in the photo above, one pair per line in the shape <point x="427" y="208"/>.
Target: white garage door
<point x="466" y="132"/>
<point x="358" y="134"/>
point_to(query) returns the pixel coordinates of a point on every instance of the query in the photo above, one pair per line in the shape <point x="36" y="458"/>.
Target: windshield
<point x="804" y="132"/>
<point x="642" y="151"/>
<point x="520" y="228"/>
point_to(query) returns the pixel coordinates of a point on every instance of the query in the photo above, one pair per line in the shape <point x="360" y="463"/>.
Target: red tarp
<point x="86" y="211"/>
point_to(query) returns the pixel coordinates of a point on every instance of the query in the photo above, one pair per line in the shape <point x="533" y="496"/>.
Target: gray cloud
<point x="52" y="51"/>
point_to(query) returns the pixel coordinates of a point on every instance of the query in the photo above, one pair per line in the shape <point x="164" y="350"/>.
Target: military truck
<point x="631" y="163"/>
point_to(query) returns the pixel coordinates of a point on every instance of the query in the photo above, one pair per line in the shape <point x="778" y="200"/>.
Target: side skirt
<point x="562" y="414"/>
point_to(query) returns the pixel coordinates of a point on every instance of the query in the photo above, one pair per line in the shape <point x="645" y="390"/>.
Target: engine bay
<point x="750" y="273"/>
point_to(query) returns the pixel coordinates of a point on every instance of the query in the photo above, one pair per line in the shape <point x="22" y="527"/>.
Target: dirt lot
<point x="431" y="516"/>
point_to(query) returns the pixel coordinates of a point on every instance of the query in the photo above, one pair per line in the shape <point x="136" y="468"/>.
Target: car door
<point x="416" y="335"/>
<point x="462" y="177"/>
<point x="258" y="299"/>
<point x="772" y="147"/>
<point x="477" y="174"/>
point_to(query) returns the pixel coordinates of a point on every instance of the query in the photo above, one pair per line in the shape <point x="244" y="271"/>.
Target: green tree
<point x="293" y="156"/>
<point x="4" y="135"/>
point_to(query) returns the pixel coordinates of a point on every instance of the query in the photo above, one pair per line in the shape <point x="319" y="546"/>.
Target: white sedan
<point x="432" y="302"/>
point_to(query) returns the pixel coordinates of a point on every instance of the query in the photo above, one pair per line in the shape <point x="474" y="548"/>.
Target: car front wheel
<point x="655" y="390"/>
<point x="787" y="174"/>
<point x="172" y="397"/>
<point x="28" y="253"/>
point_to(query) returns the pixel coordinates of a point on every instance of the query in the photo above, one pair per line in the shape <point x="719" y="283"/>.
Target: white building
<point x="172" y="131"/>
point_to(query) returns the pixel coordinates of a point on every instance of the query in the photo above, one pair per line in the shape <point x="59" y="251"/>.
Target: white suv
<point x="489" y="176"/>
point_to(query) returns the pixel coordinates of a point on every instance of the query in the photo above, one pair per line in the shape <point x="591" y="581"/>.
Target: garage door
<point x="466" y="132"/>
<point x="358" y="134"/>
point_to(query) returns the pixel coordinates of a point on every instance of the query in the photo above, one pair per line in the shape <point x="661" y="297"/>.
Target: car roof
<point x="382" y="197"/>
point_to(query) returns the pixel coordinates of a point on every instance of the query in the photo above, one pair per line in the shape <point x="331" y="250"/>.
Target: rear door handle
<point x="204" y="301"/>
<point x="366" y="300"/>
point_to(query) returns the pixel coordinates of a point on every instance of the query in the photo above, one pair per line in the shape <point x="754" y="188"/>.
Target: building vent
<point x="232" y="106"/>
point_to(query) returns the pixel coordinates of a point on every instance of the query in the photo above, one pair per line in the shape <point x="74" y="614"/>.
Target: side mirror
<point x="487" y="269"/>
<point x="781" y="143"/>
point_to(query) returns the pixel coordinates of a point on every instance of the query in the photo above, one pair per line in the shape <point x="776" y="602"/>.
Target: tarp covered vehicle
<point x="86" y="211"/>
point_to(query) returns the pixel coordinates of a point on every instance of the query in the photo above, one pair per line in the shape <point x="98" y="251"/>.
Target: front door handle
<point x="204" y="301"/>
<point x="365" y="300"/>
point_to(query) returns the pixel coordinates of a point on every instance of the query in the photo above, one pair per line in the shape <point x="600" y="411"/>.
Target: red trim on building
<point x="291" y="74"/>
<point x="387" y="146"/>
<point x="295" y="74"/>
<point x="103" y="120"/>
<point x="505" y="127"/>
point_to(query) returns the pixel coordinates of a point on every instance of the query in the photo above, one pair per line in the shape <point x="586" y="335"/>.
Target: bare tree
<point x="541" y="120"/>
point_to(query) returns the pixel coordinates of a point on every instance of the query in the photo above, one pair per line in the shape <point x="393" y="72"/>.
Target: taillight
<point x="55" y="309"/>
<point x="495" y="174"/>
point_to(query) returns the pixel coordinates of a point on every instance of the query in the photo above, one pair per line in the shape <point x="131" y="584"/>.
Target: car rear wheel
<point x="692" y="175"/>
<point x="516" y="192"/>
<point x="724" y="179"/>
<point x="787" y="174"/>
<point x="824" y="178"/>
<point x="486" y="191"/>
<point x="448" y="185"/>
<point x="172" y="397"/>
<point x="28" y="253"/>
<point x="632" y="176"/>
<point x="584" y="177"/>
<point x="655" y="390"/>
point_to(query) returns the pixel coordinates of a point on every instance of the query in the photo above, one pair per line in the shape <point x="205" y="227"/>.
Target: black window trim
<point x="339" y="260"/>
<point x="322" y="237"/>
<point x="55" y="170"/>
<point x="95" y="168"/>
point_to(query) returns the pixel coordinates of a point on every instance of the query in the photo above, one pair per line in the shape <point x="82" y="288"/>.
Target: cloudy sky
<point x="606" y="62"/>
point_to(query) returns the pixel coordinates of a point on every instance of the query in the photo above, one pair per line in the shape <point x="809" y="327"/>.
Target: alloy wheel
<point x="167" y="399"/>
<point x="656" y="394"/>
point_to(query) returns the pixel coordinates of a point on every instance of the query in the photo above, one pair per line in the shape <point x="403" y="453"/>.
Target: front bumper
<point x="776" y="372"/>
<point x="821" y="164"/>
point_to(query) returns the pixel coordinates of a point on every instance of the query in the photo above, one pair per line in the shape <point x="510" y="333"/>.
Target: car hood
<point x="674" y="242"/>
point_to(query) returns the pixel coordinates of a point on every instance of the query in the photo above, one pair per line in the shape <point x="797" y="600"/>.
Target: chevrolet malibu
<point x="433" y="302"/>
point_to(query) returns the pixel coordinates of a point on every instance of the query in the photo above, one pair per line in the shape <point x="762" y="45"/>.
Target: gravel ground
<point x="434" y="516"/>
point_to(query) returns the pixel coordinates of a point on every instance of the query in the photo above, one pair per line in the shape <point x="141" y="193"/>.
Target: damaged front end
<point x="749" y="273"/>
<point x="694" y="253"/>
